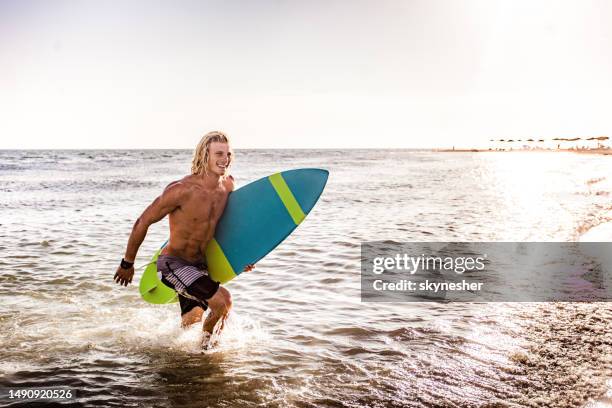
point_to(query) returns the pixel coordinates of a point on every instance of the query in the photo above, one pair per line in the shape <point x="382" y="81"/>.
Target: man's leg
<point x="191" y="310"/>
<point x="220" y="305"/>
<point x="216" y="298"/>
<point x="191" y="317"/>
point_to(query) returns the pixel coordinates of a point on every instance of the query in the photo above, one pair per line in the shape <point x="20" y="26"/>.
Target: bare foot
<point x="207" y="342"/>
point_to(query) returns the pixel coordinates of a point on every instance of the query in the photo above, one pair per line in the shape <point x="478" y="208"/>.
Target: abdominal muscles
<point x="189" y="236"/>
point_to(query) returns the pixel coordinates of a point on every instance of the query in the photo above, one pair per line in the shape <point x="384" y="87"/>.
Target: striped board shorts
<point x="190" y="280"/>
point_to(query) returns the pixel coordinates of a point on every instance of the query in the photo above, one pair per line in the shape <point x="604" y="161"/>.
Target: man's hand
<point x="124" y="276"/>
<point x="249" y="268"/>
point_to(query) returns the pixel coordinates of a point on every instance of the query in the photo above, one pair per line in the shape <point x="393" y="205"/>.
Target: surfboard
<point x="257" y="217"/>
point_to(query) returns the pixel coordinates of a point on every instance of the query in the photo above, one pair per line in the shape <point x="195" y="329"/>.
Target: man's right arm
<point x="163" y="205"/>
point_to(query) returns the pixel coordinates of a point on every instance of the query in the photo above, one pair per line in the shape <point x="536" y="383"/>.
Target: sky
<point x="302" y="74"/>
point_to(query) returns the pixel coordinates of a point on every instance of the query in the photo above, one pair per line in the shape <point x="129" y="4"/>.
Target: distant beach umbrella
<point x="601" y="139"/>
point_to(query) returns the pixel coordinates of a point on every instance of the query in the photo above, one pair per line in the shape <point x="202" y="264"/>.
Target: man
<point x="194" y="205"/>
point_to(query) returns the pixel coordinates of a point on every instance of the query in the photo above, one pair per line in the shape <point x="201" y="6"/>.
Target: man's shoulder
<point x="180" y="187"/>
<point x="229" y="182"/>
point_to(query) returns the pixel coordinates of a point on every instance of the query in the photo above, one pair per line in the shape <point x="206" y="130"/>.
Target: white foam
<point x="162" y="330"/>
<point x="600" y="233"/>
<point x="87" y="325"/>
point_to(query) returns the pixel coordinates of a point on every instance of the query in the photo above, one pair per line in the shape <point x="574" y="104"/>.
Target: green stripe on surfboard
<point x="286" y="196"/>
<point x="219" y="267"/>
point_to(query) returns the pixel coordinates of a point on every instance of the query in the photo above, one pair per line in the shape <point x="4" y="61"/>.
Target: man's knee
<point x="228" y="299"/>
<point x="222" y="301"/>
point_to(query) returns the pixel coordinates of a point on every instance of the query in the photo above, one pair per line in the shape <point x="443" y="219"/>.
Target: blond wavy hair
<point x="201" y="155"/>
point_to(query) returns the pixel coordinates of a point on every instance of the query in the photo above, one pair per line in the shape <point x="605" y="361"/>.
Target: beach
<point x="602" y="151"/>
<point x="299" y="334"/>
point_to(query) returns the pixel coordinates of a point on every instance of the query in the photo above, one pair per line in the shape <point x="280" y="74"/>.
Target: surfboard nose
<point x="306" y="185"/>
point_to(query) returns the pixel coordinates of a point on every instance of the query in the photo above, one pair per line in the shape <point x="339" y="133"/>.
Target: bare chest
<point x="204" y="206"/>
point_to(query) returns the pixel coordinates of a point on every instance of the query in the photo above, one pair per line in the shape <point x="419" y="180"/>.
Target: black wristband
<point x="125" y="264"/>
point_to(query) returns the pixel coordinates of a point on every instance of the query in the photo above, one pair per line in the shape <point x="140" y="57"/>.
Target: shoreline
<point x="604" y="152"/>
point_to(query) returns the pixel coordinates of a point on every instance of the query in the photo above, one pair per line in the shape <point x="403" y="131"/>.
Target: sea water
<point x="298" y="334"/>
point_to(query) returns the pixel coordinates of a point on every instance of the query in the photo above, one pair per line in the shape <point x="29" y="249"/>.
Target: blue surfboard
<point x="257" y="217"/>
